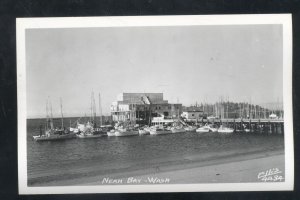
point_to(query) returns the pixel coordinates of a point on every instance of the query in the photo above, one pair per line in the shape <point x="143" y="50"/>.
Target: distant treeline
<point x="238" y="110"/>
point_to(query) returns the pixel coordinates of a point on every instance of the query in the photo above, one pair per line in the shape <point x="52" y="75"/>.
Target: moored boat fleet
<point x="89" y="130"/>
<point x="93" y="129"/>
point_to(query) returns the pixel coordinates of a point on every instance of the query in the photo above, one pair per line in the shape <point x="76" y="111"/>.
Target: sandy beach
<point x="226" y="167"/>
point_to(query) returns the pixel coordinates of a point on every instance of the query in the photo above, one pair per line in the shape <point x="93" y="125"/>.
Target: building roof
<point x="141" y="98"/>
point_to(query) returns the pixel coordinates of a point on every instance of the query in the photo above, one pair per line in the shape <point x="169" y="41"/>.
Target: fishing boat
<point x="207" y="128"/>
<point x="126" y="132"/>
<point x="225" y="130"/>
<point x="144" y="131"/>
<point x="203" y="129"/>
<point x="111" y="133"/>
<point x="178" y="126"/>
<point x="159" y="130"/>
<point x="178" y="129"/>
<point x="213" y="128"/>
<point x="190" y="128"/>
<point x="52" y="133"/>
<point x="89" y="135"/>
<point x="74" y="130"/>
<point x="90" y="129"/>
<point x="76" y="127"/>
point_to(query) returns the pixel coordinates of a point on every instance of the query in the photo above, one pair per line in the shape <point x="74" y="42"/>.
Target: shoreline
<point x="243" y="166"/>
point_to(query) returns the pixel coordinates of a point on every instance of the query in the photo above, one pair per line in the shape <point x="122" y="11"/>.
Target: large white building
<point x="142" y="107"/>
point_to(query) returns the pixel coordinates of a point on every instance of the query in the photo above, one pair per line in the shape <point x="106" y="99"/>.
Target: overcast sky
<point x="188" y="63"/>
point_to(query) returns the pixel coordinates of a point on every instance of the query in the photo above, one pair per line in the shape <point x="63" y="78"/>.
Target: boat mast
<point x="131" y="111"/>
<point x="227" y="106"/>
<point x="254" y="111"/>
<point x="47" y="115"/>
<point x="150" y="111"/>
<point x="51" y="117"/>
<point x="94" y="110"/>
<point x="62" y="116"/>
<point x="250" y="109"/>
<point x="91" y="113"/>
<point x="100" y="110"/>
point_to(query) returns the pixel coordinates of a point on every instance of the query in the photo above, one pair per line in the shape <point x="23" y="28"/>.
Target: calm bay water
<point x="66" y="159"/>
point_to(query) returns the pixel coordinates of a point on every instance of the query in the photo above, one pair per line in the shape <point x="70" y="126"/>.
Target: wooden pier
<point x="252" y="125"/>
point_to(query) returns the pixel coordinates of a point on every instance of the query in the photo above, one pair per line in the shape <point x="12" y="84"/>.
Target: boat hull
<point x="206" y="129"/>
<point x="54" y="137"/>
<point x="202" y="131"/>
<point x="190" y="129"/>
<point x="246" y="130"/>
<point x="181" y="130"/>
<point x="214" y="130"/>
<point x="81" y="136"/>
<point x="111" y="134"/>
<point x="226" y="131"/>
<point x="159" y="132"/>
<point x="144" y="132"/>
<point x="126" y="133"/>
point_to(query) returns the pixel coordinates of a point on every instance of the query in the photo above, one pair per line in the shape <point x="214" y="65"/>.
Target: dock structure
<point x="241" y="116"/>
<point x="253" y="125"/>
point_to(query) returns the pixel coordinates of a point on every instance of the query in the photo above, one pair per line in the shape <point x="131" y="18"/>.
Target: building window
<point x="193" y="115"/>
<point x="169" y="107"/>
<point x="159" y="108"/>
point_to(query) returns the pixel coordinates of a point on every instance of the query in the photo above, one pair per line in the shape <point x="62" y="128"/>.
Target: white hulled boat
<point x="111" y="133"/>
<point x="178" y="126"/>
<point x="178" y="129"/>
<point x="144" y="132"/>
<point x="247" y="130"/>
<point x="126" y="132"/>
<point x="225" y="130"/>
<point x="88" y="131"/>
<point x="190" y="128"/>
<point x="203" y="129"/>
<point x="159" y="130"/>
<point x="213" y="128"/>
<point x="207" y="128"/>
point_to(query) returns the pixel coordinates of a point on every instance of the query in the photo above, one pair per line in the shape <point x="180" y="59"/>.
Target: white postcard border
<point x="185" y="20"/>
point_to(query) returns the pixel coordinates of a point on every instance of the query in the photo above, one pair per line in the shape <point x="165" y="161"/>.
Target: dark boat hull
<point x="55" y="137"/>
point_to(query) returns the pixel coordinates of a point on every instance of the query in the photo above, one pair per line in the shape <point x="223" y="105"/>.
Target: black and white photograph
<point x="155" y="104"/>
